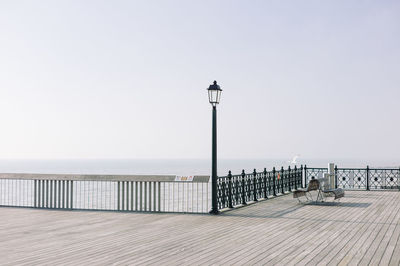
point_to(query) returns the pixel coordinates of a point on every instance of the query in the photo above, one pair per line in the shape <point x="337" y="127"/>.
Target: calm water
<point x="167" y="166"/>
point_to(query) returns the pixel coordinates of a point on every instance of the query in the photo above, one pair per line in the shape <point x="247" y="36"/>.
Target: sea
<point x="182" y="167"/>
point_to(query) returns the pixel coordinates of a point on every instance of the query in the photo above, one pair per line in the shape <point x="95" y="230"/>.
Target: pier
<point x="363" y="228"/>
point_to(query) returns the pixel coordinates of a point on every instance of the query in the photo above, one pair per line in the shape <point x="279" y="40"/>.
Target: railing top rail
<point x="355" y="168"/>
<point x="385" y="169"/>
<point x="137" y="178"/>
<point x="351" y="168"/>
<point x="371" y="169"/>
<point x="267" y="172"/>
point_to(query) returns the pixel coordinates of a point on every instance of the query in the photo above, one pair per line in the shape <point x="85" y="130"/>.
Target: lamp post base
<point x="214" y="212"/>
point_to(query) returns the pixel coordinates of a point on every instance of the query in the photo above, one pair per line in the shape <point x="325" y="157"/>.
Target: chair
<point x="323" y="191"/>
<point x="337" y="193"/>
<point x="312" y="185"/>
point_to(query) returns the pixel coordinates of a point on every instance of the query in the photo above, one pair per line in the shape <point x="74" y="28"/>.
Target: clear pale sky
<point x="128" y="79"/>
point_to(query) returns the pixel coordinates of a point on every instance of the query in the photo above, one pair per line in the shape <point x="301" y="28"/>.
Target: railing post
<point x="72" y="193"/>
<point x="367" y="177"/>
<point x="289" y="179"/>
<point x="305" y="177"/>
<point x="282" y="172"/>
<point x="302" y="182"/>
<point x="118" y="195"/>
<point x="243" y="188"/>
<point x="265" y="182"/>
<point x="336" y="178"/>
<point x="230" y="205"/>
<point x="296" y="177"/>
<point x="274" y="181"/>
<point x="35" y="194"/>
<point x="255" y="185"/>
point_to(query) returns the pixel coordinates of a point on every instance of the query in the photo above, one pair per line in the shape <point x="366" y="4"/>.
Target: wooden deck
<point x="363" y="229"/>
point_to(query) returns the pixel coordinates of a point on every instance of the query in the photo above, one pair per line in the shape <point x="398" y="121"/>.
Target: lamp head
<point x="214" y="93"/>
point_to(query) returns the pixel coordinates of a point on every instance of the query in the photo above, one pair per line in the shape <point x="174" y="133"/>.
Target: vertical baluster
<point x="63" y="194"/>
<point x="123" y="196"/>
<point x="255" y="185"/>
<point x="136" y="196"/>
<point x="282" y="178"/>
<point x="150" y="196"/>
<point x="221" y="193"/>
<point x="302" y="177"/>
<point x="131" y="195"/>
<point x="67" y="195"/>
<point x="249" y="190"/>
<point x="235" y="181"/>
<point x="140" y="196"/>
<point x="155" y="196"/>
<point x="47" y="193"/>
<point x="35" y="193"/>
<point x="51" y="194"/>
<point x="274" y="181"/>
<point x="336" y="177"/>
<point x="289" y="175"/>
<point x="230" y="205"/>
<point x="367" y="177"/>
<point x="145" y="196"/>
<point x="72" y="193"/>
<point x="59" y="193"/>
<point x="265" y="183"/>
<point x="43" y="193"/>
<point x="127" y="195"/>
<point x="118" y="195"/>
<point x="296" y="177"/>
<point x="305" y="176"/>
<point x="159" y="195"/>
<point x="243" y="188"/>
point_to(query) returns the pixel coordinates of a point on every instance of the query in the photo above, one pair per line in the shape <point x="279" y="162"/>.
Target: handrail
<point x="79" y="177"/>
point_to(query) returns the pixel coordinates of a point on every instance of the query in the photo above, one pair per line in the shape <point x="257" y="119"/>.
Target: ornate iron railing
<point x="313" y="173"/>
<point x="359" y="178"/>
<point x="240" y="189"/>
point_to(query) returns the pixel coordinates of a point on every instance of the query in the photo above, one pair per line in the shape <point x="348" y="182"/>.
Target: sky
<point x="128" y="79"/>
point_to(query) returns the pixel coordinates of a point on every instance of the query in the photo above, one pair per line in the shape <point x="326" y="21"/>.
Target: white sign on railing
<point x="184" y="178"/>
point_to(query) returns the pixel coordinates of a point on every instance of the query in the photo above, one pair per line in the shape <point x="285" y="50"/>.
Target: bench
<point x="337" y="193"/>
<point x="315" y="184"/>
<point x="305" y="192"/>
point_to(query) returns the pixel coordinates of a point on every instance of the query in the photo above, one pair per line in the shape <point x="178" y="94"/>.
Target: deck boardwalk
<point x="364" y="228"/>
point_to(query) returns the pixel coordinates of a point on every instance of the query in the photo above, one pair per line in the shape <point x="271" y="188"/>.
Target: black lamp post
<point x="214" y="95"/>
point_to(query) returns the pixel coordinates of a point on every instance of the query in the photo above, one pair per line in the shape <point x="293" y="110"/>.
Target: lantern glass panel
<point x="213" y="96"/>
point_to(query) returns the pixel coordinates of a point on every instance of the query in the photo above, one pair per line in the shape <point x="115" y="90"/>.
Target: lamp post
<point x="214" y="96"/>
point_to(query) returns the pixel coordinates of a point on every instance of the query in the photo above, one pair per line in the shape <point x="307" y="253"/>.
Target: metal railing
<point x="359" y="178"/>
<point x="236" y="190"/>
<point x="169" y="194"/>
<point x="102" y="192"/>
